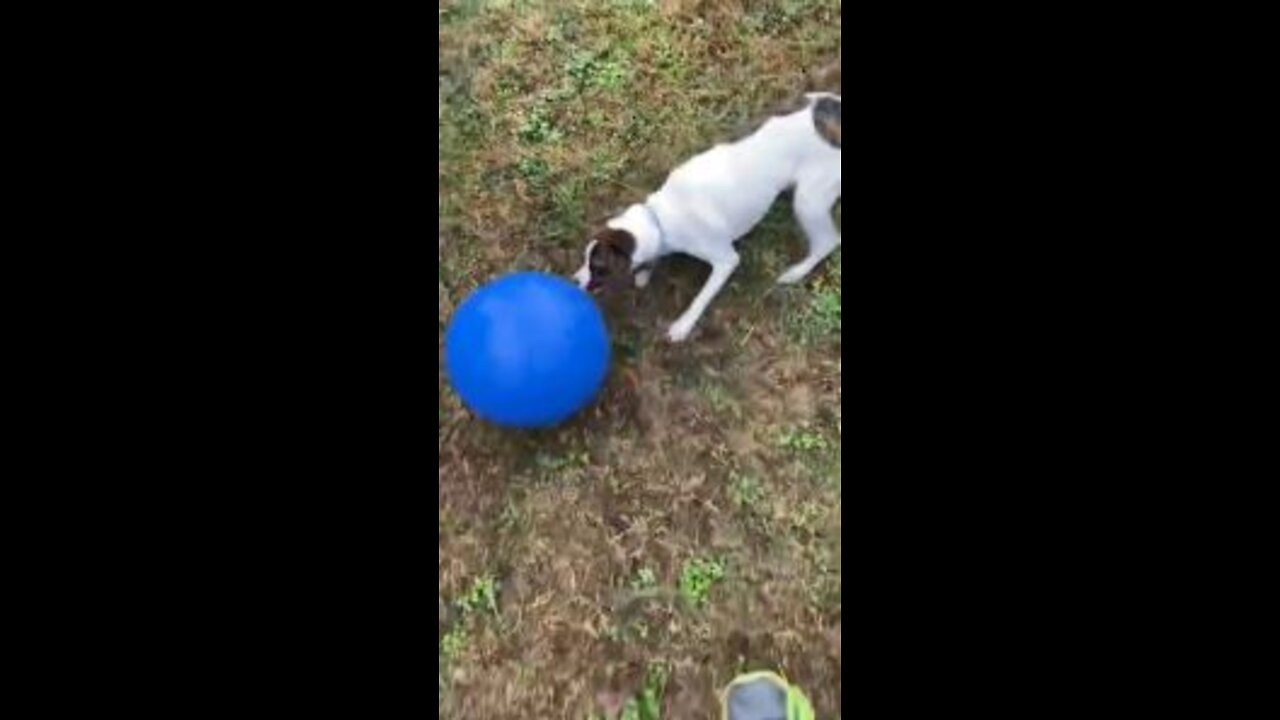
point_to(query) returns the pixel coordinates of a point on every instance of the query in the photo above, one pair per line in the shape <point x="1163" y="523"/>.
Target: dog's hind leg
<point x="814" y="201"/>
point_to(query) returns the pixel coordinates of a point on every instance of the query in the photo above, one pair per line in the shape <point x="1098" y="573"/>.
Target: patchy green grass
<point x="688" y="520"/>
<point x="697" y="576"/>
<point x="480" y="599"/>
<point x="483" y="596"/>
<point x="802" y="439"/>
<point x="747" y="491"/>
<point x="645" y="706"/>
<point x="647" y="703"/>
<point x="645" y="579"/>
<point x="819" y="318"/>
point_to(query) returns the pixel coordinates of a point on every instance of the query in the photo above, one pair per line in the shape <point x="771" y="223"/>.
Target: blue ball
<point x="527" y="350"/>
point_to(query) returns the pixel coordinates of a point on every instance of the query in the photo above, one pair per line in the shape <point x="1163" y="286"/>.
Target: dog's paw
<point x="679" y="332"/>
<point x="793" y="275"/>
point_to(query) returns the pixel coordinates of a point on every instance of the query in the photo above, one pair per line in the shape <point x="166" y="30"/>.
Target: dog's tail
<point x="824" y="89"/>
<point x="826" y="118"/>
<point x="822" y="84"/>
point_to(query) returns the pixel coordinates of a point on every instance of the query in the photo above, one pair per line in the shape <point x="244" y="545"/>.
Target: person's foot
<point x="764" y="696"/>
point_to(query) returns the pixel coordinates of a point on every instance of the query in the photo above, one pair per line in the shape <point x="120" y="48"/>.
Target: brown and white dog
<point x="715" y="198"/>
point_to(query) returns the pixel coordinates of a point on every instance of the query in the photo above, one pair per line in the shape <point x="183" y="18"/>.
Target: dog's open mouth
<point x="604" y="285"/>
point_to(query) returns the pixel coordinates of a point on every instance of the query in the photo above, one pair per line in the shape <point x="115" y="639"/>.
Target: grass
<point x="802" y="440"/>
<point x="697" y="576"/>
<point x="478" y="600"/>
<point x="819" y="318"/>
<point x="645" y="706"/>
<point x="686" y="525"/>
<point x="647" y="703"/>
<point x="645" y="579"/>
<point x="747" y="491"/>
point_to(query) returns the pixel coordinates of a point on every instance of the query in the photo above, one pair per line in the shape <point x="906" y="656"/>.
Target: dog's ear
<point x="619" y="241"/>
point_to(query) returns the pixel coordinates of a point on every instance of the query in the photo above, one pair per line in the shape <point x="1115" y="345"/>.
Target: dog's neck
<point x="644" y="225"/>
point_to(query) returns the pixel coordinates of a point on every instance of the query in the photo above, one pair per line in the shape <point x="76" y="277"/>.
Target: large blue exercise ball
<point x="527" y="350"/>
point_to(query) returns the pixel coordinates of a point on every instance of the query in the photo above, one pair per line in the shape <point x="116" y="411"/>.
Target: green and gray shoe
<point x="764" y="696"/>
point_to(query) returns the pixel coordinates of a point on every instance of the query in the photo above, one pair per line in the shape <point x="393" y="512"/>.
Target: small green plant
<point x="452" y="643"/>
<point x="586" y="68"/>
<point x="802" y="439"/>
<point x="537" y="128"/>
<point x="746" y="491"/>
<point x="611" y="75"/>
<point x="578" y="66"/>
<point x="534" y="169"/>
<point x="481" y="596"/>
<point x="818" y="319"/>
<point x="645" y="579"/>
<point x="697" y="576"/>
<point x="647" y="704"/>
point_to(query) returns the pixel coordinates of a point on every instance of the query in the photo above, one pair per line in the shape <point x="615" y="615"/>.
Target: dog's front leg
<point x="721" y="268"/>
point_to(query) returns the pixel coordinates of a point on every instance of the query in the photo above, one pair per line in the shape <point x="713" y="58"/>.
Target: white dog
<point x="717" y="197"/>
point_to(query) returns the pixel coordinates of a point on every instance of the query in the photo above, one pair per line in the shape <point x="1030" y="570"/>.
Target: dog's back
<point x="728" y="189"/>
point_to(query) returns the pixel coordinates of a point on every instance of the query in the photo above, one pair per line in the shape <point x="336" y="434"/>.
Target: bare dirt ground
<point x="686" y="526"/>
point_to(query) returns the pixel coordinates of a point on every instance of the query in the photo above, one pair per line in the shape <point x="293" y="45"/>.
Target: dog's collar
<point x="656" y="222"/>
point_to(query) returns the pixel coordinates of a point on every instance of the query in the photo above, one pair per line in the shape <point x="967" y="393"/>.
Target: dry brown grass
<point x="724" y="449"/>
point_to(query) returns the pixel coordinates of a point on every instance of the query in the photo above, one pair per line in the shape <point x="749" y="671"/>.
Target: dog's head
<point x="608" y="261"/>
